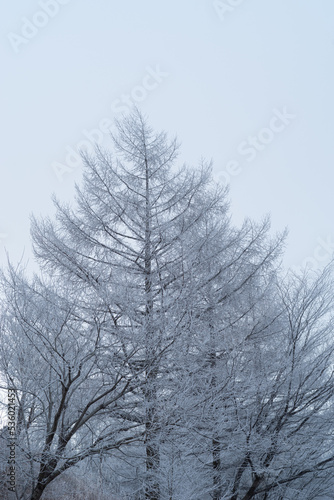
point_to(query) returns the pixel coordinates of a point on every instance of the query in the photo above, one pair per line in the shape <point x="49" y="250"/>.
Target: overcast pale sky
<point x="246" y="83"/>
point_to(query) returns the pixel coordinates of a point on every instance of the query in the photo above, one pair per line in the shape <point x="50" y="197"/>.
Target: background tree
<point x="57" y="356"/>
<point x="236" y="281"/>
<point x="270" y="403"/>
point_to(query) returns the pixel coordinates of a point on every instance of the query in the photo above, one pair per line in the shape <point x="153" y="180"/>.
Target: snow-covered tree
<point x="163" y="343"/>
<point x="67" y="368"/>
<point x="261" y="415"/>
<point x="133" y="246"/>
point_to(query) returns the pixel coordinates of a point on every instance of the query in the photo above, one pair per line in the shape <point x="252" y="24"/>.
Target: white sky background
<point x="226" y="75"/>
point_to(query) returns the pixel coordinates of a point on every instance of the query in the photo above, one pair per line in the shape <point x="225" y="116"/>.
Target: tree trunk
<point x="152" y="490"/>
<point x="251" y="492"/>
<point x="38" y="491"/>
<point x="216" y="465"/>
<point x="216" y="447"/>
